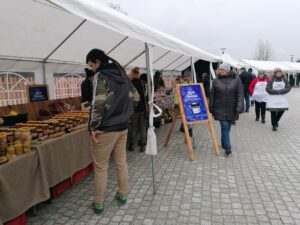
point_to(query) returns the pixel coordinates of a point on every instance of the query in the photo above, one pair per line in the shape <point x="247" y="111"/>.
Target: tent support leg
<point x="153" y="175"/>
<point x="193" y="70"/>
<point x="44" y="73"/>
<point x="150" y="94"/>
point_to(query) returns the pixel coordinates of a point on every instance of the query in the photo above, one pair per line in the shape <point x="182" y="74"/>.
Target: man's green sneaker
<point x="98" y="209"/>
<point x="122" y="200"/>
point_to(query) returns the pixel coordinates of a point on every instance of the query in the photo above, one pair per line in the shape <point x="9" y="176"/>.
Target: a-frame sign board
<point x="194" y="110"/>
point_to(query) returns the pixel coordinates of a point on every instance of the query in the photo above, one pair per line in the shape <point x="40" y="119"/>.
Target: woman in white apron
<point x="277" y="102"/>
<point x="259" y="94"/>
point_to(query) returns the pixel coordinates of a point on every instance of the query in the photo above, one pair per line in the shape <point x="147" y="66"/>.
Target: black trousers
<point x="260" y="109"/>
<point x="275" y="117"/>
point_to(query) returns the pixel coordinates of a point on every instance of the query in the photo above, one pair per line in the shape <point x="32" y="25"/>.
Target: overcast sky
<point x="236" y="25"/>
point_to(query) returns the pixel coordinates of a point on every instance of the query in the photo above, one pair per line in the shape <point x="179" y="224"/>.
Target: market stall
<point x="39" y="155"/>
<point x="49" y="42"/>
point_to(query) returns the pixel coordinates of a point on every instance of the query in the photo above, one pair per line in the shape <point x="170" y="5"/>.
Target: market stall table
<point x="63" y="156"/>
<point x="22" y="186"/>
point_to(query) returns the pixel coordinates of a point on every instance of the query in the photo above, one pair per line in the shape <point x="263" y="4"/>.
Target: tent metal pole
<point x="193" y="70"/>
<point x="135" y="58"/>
<point x="150" y="94"/>
<point x="173" y="62"/>
<point x="44" y="72"/>
<point x="40" y="61"/>
<point x="117" y="45"/>
<point x="182" y="64"/>
<point x="161" y="57"/>
<point x="70" y="35"/>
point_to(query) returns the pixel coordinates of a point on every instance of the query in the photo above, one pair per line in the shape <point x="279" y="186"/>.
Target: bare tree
<point x="118" y="8"/>
<point x="263" y="51"/>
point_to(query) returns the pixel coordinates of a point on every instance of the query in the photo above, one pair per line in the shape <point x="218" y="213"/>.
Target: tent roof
<point x="64" y="31"/>
<point x="231" y="61"/>
<point x="268" y="66"/>
<point x="293" y="65"/>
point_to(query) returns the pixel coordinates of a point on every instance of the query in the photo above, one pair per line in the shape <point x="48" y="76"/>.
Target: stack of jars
<point x="3" y="144"/>
<point x="26" y="139"/>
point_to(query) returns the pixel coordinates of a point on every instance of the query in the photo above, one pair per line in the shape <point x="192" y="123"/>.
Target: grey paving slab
<point x="258" y="184"/>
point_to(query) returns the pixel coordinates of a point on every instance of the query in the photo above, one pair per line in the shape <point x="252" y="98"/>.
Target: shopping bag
<point x="151" y="148"/>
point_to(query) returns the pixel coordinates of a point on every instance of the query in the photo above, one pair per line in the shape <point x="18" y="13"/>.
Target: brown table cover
<point x="21" y="186"/>
<point x="25" y="181"/>
<point x="63" y="156"/>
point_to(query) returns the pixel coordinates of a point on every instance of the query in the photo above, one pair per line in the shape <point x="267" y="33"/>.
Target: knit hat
<point x="260" y="71"/>
<point x="277" y="69"/>
<point x="243" y="69"/>
<point x="225" y="66"/>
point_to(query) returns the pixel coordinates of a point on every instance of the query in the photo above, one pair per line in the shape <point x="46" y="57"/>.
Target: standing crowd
<point x="118" y="110"/>
<point x="231" y="95"/>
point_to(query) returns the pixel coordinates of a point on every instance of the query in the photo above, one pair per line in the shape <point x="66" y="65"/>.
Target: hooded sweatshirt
<point x="113" y="96"/>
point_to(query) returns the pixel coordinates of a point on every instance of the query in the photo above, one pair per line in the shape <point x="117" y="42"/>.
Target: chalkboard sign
<point x="193" y="102"/>
<point x="194" y="110"/>
<point x="37" y="93"/>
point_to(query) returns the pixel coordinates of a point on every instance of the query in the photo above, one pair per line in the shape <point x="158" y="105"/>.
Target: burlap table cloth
<point x="63" y="156"/>
<point x="22" y="186"/>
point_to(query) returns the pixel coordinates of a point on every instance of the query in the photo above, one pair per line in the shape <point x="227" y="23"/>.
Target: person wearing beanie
<point x="246" y="79"/>
<point x="277" y="102"/>
<point x="259" y="94"/>
<point x="226" y="101"/>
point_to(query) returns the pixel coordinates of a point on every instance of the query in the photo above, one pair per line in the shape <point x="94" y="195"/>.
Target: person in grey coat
<point x="226" y="102"/>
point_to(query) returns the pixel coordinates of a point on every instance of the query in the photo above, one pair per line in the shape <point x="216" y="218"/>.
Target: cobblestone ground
<point x="258" y="184"/>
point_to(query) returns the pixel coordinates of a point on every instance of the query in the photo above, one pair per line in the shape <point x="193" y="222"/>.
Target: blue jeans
<point x="247" y="99"/>
<point x="225" y="134"/>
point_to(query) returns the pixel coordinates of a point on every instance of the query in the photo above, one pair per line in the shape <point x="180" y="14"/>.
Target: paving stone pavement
<point x="258" y="184"/>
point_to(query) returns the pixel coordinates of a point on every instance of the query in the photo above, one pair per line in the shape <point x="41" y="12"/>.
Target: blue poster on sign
<point x="193" y="103"/>
<point x="38" y="93"/>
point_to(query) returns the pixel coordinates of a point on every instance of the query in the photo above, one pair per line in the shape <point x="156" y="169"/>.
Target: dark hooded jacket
<point x="226" y="98"/>
<point x="246" y="79"/>
<point x="113" y="101"/>
<point x="141" y="89"/>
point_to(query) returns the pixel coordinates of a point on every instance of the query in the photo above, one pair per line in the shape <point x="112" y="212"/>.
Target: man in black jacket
<point x="246" y="79"/>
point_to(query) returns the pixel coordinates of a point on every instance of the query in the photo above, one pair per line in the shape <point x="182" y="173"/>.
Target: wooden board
<point x="205" y="118"/>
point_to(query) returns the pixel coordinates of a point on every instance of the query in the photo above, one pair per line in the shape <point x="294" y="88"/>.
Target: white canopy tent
<point x="54" y="36"/>
<point x="42" y="32"/>
<point x="225" y="57"/>
<point x="295" y="66"/>
<point x="267" y="66"/>
<point x="46" y="34"/>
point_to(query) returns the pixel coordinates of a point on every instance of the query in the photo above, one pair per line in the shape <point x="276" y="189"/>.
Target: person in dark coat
<point x="226" y="101"/>
<point x="246" y="79"/>
<point x="138" y="119"/>
<point x="158" y="81"/>
<point x="206" y="83"/>
<point x="277" y="102"/>
<point x="87" y="87"/>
